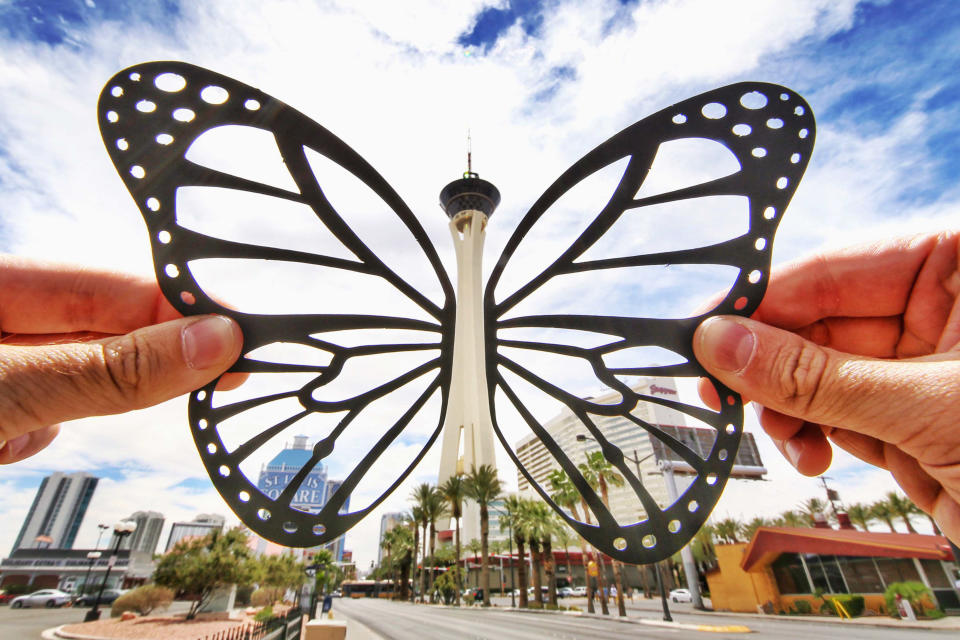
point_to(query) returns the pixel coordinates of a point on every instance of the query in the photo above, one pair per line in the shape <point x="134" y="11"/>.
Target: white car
<point x="42" y="598"/>
<point x="579" y="592"/>
<point x="681" y="595"/>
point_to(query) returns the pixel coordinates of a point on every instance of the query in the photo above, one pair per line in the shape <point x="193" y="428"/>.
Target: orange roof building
<point x="781" y="565"/>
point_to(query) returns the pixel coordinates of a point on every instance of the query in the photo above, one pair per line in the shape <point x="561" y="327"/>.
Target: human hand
<point x="860" y="348"/>
<point x="77" y="342"/>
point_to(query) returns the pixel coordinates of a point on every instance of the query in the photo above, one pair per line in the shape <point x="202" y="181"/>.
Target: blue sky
<point x="538" y="83"/>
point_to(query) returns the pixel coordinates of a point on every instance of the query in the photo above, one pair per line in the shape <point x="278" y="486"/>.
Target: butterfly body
<point x="149" y="129"/>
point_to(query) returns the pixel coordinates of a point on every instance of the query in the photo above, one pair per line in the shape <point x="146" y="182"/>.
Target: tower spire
<point x="469" y="153"/>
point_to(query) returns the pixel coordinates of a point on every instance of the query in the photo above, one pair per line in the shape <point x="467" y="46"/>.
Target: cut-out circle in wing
<point x="150" y="117"/>
<point x="770" y="131"/>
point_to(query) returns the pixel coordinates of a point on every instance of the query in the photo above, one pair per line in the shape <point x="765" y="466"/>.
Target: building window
<point x="789" y="574"/>
<point x="897" y="570"/>
<point x="825" y="573"/>
<point x="861" y="574"/>
<point x="935" y="574"/>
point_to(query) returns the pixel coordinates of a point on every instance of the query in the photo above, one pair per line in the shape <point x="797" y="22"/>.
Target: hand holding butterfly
<point x="78" y="342"/>
<point x="861" y="348"/>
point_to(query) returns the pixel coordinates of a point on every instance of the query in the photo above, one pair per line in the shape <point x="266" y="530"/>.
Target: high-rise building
<point x="57" y="511"/>
<point x="387" y="522"/>
<point x="314" y="491"/>
<point x="147" y="534"/>
<point x="201" y="526"/>
<point x="636" y="443"/>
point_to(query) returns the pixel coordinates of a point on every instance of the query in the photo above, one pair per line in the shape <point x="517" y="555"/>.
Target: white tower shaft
<point x="467" y="429"/>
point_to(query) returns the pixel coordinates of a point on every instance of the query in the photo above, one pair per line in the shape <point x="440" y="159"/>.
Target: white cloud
<point x="391" y="81"/>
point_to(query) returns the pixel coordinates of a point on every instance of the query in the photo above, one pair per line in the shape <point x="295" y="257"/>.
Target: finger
<point x="808" y="450"/>
<point x="47" y="297"/>
<point x="779" y="426"/>
<point x="868" y="449"/>
<point x="28" y="444"/>
<point x="40" y="386"/>
<point x="870" y="280"/>
<point x="784" y="372"/>
<point x="708" y="393"/>
<point x="871" y="337"/>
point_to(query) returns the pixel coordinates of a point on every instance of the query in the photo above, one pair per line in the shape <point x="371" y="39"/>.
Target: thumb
<point x="796" y="377"/>
<point x="43" y="385"/>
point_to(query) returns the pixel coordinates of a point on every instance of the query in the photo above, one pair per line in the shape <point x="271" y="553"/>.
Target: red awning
<point x="769" y="542"/>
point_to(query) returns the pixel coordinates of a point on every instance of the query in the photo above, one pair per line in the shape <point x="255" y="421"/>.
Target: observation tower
<point x="467" y="428"/>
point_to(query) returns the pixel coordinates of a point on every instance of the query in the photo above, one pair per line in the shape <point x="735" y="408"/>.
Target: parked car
<point x="108" y="596"/>
<point x="42" y="598"/>
<point x="564" y="592"/>
<point x="5" y="597"/>
<point x="579" y="592"/>
<point x="681" y="595"/>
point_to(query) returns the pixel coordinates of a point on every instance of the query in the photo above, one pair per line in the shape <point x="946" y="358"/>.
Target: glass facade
<point x="849" y="574"/>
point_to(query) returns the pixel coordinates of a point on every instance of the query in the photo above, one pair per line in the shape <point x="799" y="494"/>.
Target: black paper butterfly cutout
<point x="150" y="114"/>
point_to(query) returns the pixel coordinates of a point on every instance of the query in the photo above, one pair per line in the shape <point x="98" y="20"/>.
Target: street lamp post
<point x="102" y="528"/>
<point x="581" y="437"/>
<point x="92" y="556"/>
<point x="122" y="530"/>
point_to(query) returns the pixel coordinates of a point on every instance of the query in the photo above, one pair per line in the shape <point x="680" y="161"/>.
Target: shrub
<point x="265" y="596"/>
<point x="142" y="600"/>
<point x="803" y="606"/>
<point x="916" y="593"/>
<point x="827" y="608"/>
<point x="264" y="614"/>
<point x="853" y="604"/>
<point x="19" y="589"/>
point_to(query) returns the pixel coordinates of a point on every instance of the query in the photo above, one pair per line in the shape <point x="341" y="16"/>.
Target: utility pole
<point x="689" y="566"/>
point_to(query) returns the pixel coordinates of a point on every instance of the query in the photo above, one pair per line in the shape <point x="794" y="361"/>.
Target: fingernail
<point x="726" y="343"/>
<point x="206" y="341"/>
<point x="793" y="449"/>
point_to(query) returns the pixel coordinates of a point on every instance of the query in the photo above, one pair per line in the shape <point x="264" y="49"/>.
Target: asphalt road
<point x="403" y="621"/>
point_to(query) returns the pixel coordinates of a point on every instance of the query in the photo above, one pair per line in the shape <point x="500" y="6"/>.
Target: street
<point x="28" y="624"/>
<point x="404" y="621"/>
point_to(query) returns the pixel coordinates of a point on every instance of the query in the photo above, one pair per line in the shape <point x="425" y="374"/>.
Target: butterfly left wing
<point x="153" y="118"/>
<point x="769" y="131"/>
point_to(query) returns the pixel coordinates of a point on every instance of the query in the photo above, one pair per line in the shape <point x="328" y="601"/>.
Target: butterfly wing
<point x="150" y="116"/>
<point x="770" y="131"/>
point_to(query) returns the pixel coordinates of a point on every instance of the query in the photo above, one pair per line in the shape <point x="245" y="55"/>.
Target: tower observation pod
<point x="467" y="428"/>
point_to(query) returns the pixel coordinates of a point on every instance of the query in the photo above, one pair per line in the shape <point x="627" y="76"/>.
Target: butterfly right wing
<point x="151" y="116"/>
<point x="768" y="131"/>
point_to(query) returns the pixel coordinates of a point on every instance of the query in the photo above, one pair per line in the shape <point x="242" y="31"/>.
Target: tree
<point x="917" y="511"/>
<point x="565" y="537"/>
<point x="453" y="492"/>
<point x="859" y="513"/>
<point x="416" y="516"/>
<point x="566" y="495"/>
<point x="434" y="509"/>
<point x="903" y="507"/>
<point x="813" y="507"/>
<point x="728" y="530"/>
<point x="791" y="518"/>
<point x="881" y="511"/>
<point x="598" y="472"/>
<point x="483" y="487"/>
<point x="513" y="522"/>
<point x="279" y="573"/>
<point x="748" y="529"/>
<point x="421" y="496"/>
<point x="543" y="526"/>
<point x="404" y="548"/>
<point x="200" y="566"/>
<point x="328" y="574"/>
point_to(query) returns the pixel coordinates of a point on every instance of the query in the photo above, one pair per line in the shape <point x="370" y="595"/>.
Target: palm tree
<point x="791" y="518"/>
<point x="453" y="491"/>
<point x="565" y="494"/>
<point x="404" y="548"/>
<point x="600" y="570"/>
<point x="728" y="530"/>
<point x="813" y="507"/>
<point x="747" y="530"/>
<point x="416" y="516"/>
<point x="881" y="511"/>
<point x="565" y="536"/>
<point x="514" y="520"/>
<point x="917" y="511"/>
<point x="902" y="507"/>
<point x="859" y="513"/>
<point x="474" y="547"/>
<point x="434" y="509"/>
<point x="421" y="496"/>
<point x="598" y="472"/>
<point x="483" y="487"/>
